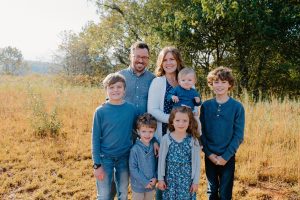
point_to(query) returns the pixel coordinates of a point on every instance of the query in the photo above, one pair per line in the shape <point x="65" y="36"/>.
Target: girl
<point x="179" y="156"/>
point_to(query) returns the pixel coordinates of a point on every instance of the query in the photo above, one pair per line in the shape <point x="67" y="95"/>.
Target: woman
<point x="169" y="63"/>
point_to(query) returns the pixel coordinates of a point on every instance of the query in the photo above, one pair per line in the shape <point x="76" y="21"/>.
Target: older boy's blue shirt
<point x="186" y="97"/>
<point x="142" y="166"/>
<point x="112" y="130"/>
<point x="222" y="127"/>
<point x="137" y="87"/>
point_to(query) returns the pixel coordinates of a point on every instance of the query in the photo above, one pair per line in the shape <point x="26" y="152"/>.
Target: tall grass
<point x="34" y="167"/>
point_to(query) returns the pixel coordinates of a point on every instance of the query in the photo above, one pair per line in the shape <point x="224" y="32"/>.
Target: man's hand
<point x="99" y="173"/>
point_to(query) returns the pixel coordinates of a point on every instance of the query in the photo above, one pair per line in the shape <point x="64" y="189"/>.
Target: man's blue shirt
<point x="137" y="87"/>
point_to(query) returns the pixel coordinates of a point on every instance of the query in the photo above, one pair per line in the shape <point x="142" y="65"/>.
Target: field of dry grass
<point x="59" y="166"/>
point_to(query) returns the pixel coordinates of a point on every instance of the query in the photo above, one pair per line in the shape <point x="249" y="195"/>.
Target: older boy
<point x="222" y="120"/>
<point x="112" y="139"/>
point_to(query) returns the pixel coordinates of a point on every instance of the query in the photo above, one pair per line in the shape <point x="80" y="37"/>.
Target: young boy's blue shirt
<point x="186" y="97"/>
<point x="222" y="127"/>
<point x="112" y="130"/>
<point x="142" y="166"/>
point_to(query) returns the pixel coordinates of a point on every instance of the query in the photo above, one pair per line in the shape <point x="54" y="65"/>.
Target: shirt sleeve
<point x="203" y="136"/>
<point x="96" y="138"/>
<point x="172" y="92"/>
<point x="238" y="134"/>
<point x="196" y="94"/>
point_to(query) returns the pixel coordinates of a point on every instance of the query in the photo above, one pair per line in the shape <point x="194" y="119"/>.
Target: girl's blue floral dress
<point x="179" y="170"/>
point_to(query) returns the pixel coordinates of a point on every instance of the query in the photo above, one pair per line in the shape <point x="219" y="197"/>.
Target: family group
<point x="151" y="130"/>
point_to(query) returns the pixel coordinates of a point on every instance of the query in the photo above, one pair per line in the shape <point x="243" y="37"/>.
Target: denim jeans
<point x="118" y="168"/>
<point x="220" y="179"/>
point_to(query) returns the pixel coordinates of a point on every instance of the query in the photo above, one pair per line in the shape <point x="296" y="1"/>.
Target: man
<point x="138" y="78"/>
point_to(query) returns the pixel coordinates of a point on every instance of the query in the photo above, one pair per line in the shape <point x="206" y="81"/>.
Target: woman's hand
<point x="194" y="188"/>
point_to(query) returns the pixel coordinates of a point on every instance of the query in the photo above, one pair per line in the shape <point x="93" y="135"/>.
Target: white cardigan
<point x="156" y="97"/>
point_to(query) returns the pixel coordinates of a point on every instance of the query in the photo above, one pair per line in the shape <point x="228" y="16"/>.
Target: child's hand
<point x="162" y="185"/>
<point x="175" y="98"/>
<point x="156" y="149"/>
<point x="99" y="173"/>
<point x="213" y="158"/>
<point x="194" y="188"/>
<point x="197" y="99"/>
<point x="221" y="161"/>
<point x="153" y="181"/>
<point x="149" y="186"/>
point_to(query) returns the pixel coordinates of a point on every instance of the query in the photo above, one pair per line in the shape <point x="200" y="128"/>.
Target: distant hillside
<point x="40" y="67"/>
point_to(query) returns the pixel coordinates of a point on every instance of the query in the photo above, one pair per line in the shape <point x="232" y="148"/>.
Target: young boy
<point x="142" y="161"/>
<point x="222" y="120"/>
<point x="112" y="139"/>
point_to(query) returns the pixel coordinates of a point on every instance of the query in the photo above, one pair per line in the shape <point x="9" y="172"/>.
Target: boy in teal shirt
<point x="112" y="139"/>
<point x="223" y="121"/>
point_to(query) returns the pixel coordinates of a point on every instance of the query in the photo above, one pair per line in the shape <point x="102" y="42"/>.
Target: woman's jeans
<point x="220" y="179"/>
<point x="118" y="168"/>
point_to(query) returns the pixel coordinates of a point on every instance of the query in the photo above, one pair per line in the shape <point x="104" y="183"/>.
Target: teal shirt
<point x="112" y="130"/>
<point x="222" y="127"/>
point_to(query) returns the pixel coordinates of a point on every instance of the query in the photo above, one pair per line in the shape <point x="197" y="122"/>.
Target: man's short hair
<point x="139" y="45"/>
<point x="113" y="78"/>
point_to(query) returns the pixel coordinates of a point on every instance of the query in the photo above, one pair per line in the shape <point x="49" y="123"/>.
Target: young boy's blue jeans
<point x="220" y="179"/>
<point x="119" y="168"/>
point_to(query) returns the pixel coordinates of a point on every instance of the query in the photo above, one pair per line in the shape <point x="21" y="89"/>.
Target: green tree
<point x="11" y="60"/>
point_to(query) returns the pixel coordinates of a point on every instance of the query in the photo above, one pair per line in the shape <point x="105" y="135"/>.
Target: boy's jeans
<point x="220" y="179"/>
<point x="118" y="167"/>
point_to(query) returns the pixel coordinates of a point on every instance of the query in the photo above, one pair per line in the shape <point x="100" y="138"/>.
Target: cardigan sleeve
<point x="197" y="161"/>
<point x="164" y="147"/>
<point x="155" y="96"/>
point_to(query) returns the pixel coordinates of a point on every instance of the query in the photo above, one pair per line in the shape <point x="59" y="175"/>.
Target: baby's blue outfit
<point x="186" y="97"/>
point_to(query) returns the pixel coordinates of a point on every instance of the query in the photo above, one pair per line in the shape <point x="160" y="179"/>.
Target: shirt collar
<point x="133" y="73"/>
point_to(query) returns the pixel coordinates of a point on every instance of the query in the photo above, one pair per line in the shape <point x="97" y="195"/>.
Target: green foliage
<point x="259" y="40"/>
<point x="11" y="60"/>
<point x="43" y="123"/>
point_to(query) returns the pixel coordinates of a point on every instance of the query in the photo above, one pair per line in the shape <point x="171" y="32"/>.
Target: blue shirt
<point x="137" y="87"/>
<point x="222" y="127"/>
<point x="142" y="166"/>
<point x="112" y="130"/>
<point x="186" y="97"/>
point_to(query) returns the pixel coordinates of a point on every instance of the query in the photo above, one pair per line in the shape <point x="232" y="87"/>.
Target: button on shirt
<point x="137" y="87"/>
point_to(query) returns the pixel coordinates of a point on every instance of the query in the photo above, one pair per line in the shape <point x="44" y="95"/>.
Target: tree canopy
<point x="258" y="39"/>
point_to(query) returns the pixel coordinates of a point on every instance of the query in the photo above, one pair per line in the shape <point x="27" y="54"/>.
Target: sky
<point x="34" y="26"/>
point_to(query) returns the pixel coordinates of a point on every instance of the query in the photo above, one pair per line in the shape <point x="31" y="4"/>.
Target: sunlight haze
<point x="33" y="26"/>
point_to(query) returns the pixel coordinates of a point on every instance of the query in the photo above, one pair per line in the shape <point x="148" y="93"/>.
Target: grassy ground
<point x="36" y="164"/>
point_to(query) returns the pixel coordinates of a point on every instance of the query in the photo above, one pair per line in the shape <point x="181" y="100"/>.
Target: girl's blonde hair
<point x="193" y="125"/>
<point x="159" y="70"/>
